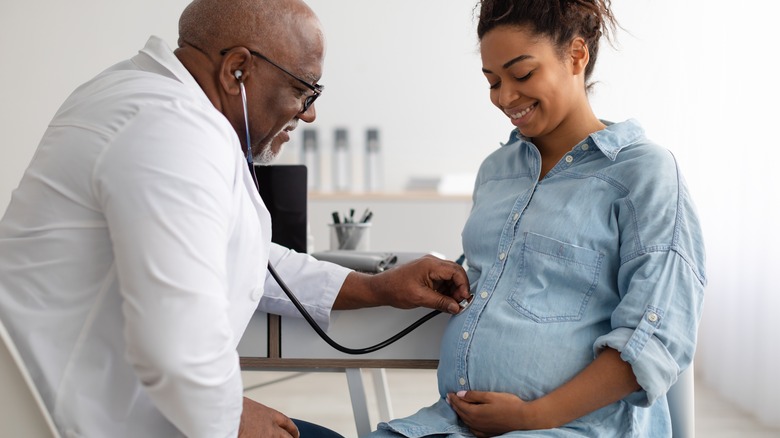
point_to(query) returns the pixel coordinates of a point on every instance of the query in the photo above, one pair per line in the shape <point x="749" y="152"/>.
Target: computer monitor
<point x="284" y="191"/>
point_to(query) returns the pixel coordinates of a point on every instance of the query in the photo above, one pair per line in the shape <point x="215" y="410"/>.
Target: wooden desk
<point x="273" y="343"/>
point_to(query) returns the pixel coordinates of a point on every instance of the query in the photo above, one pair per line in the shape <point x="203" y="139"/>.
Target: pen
<point x="368" y="217"/>
<point x="365" y="214"/>
<point x="338" y="229"/>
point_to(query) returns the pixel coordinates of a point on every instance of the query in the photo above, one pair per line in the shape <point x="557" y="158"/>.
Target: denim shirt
<point x="604" y="251"/>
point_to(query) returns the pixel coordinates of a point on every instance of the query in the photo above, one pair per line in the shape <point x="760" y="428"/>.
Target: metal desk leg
<point x="382" y="394"/>
<point x="357" y="394"/>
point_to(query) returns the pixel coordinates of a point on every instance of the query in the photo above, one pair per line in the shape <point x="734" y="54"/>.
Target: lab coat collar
<point x="157" y="57"/>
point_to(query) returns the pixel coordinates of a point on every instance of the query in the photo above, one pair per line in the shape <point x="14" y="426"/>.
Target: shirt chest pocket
<point x="555" y="279"/>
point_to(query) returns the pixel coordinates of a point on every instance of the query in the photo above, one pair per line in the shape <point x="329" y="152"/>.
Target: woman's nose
<point x="507" y="96"/>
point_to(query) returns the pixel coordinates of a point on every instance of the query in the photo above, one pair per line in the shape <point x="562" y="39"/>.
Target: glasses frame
<point x="315" y="88"/>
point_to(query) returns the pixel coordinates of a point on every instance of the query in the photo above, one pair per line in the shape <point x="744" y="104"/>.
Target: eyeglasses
<point x="316" y="88"/>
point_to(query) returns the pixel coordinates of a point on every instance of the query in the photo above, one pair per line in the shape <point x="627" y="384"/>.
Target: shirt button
<point x="516" y="216"/>
<point x="652" y="317"/>
<point x="502" y="256"/>
<point x="465" y="335"/>
<point x="484" y="294"/>
<point x="569" y="159"/>
<point x="462" y="381"/>
<point x="585" y="147"/>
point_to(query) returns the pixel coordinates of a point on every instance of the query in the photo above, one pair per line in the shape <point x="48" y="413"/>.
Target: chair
<point x="22" y="412"/>
<point x="681" y="405"/>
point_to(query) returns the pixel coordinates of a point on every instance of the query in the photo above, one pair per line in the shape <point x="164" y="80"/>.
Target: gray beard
<point x="266" y="156"/>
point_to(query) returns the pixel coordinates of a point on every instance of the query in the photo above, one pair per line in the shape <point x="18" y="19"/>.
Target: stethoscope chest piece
<point x="465" y="303"/>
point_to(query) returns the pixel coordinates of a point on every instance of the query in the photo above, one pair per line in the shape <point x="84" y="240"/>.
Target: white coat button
<point x="257" y="293"/>
<point x="502" y="256"/>
<point x="484" y="294"/>
<point x="462" y="381"/>
<point x="465" y="335"/>
<point x="569" y="159"/>
<point x="652" y="317"/>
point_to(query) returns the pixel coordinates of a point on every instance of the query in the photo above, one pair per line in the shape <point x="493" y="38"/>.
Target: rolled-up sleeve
<point x="655" y="325"/>
<point x="661" y="284"/>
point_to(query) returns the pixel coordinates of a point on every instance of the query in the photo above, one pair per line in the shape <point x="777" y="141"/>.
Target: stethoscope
<point x="464" y="304"/>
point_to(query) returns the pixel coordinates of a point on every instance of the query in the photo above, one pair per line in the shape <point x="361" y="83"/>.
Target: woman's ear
<point x="235" y="68"/>
<point x="579" y="55"/>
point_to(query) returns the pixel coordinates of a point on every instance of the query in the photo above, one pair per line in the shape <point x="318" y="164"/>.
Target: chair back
<point x="22" y="412"/>
<point x="681" y="405"/>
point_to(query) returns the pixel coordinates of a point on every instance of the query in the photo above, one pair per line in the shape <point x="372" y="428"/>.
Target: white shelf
<point x="407" y="221"/>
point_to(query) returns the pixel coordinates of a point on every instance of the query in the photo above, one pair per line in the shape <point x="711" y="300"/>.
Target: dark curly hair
<point x="558" y="20"/>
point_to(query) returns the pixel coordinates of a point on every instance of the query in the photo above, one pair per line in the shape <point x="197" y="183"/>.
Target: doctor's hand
<point x="261" y="421"/>
<point x="426" y="282"/>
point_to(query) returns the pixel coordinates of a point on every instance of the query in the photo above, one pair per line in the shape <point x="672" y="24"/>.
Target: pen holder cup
<point x="352" y="236"/>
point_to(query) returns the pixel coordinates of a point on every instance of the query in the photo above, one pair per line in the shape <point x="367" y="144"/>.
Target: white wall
<point x="49" y="48"/>
<point x="699" y="76"/>
<point x="410" y="68"/>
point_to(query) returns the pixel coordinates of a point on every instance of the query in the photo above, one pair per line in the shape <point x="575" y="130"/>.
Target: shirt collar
<point x="610" y="140"/>
<point x="616" y="136"/>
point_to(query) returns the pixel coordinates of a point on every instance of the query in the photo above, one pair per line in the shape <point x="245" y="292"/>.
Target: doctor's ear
<point x="234" y="69"/>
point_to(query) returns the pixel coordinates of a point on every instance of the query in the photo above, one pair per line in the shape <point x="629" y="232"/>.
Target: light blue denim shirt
<point x="604" y="251"/>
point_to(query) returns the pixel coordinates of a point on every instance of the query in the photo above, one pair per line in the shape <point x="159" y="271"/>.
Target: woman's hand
<point x="604" y="381"/>
<point x="490" y="414"/>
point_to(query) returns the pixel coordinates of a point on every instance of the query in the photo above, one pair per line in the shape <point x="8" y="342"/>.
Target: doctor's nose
<point x="308" y="115"/>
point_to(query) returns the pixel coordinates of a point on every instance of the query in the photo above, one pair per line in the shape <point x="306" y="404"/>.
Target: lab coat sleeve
<point x="165" y="187"/>
<point x="315" y="283"/>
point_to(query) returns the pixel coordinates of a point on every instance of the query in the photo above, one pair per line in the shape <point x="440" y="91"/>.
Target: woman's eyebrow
<point x="510" y="62"/>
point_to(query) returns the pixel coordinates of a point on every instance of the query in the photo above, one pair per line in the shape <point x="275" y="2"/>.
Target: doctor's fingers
<point x="445" y="276"/>
<point x="258" y="420"/>
<point x="285" y="426"/>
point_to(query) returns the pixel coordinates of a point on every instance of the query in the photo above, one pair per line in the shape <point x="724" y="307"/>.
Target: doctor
<point x="134" y="251"/>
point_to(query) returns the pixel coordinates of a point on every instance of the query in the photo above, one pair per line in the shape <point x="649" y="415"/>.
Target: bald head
<point x="269" y="25"/>
<point x="275" y="44"/>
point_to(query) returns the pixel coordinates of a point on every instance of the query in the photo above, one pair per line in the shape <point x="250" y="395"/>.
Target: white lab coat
<point x="133" y="255"/>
